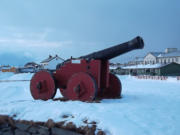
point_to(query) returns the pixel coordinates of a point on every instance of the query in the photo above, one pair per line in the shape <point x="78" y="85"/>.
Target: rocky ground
<point x="10" y="126"/>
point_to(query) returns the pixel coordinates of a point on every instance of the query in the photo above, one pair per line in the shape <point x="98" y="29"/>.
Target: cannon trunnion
<point x="85" y="78"/>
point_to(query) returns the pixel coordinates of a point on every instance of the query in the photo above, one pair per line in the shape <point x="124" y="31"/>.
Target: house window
<point x="162" y="61"/>
<point x="165" y="61"/>
<point x="168" y="60"/>
<point x="176" y="59"/>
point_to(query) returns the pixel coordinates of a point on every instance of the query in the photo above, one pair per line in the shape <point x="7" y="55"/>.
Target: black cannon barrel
<point x="109" y="53"/>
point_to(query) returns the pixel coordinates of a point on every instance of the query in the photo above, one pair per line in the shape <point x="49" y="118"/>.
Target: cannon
<point x="85" y="78"/>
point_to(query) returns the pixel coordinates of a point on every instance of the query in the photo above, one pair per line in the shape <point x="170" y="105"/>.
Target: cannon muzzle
<point x="112" y="52"/>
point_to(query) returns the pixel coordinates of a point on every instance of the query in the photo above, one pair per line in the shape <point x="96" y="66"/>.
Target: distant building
<point x="171" y="69"/>
<point x="51" y="62"/>
<point x="165" y="63"/>
<point x="4" y="67"/>
<point x="31" y="64"/>
<point x="30" y="67"/>
<point x="137" y="61"/>
<point x="114" y="65"/>
<point x="26" y="70"/>
<point x="170" y="55"/>
<point x="8" y="69"/>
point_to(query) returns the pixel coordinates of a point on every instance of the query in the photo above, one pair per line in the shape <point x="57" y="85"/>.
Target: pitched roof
<point x="156" y="54"/>
<point x="163" y="54"/>
<point x="171" y="54"/>
<point x="139" y="59"/>
<point x="50" y="58"/>
<point x="30" y="64"/>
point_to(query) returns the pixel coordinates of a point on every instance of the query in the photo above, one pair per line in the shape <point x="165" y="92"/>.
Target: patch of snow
<point x="147" y="107"/>
<point x="5" y="75"/>
<point x="143" y="66"/>
<point x="113" y="67"/>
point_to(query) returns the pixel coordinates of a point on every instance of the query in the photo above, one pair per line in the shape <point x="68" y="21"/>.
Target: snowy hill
<point x="148" y="107"/>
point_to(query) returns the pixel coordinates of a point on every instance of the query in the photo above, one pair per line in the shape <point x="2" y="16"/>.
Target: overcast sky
<point x="37" y="28"/>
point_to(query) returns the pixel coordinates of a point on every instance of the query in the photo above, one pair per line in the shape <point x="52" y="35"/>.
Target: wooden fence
<point x="155" y="77"/>
<point x="152" y="77"/>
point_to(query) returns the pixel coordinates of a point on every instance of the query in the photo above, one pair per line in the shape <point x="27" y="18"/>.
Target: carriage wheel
<point x="114" y="90"/>
<point x="43" y="86"/>
<point x="81" y="86"/>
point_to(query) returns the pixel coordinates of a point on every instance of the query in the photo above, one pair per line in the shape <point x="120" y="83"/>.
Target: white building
<point x="51" y="62"/>
<point x="170" y="55"/>
<point x="138" y="60"/>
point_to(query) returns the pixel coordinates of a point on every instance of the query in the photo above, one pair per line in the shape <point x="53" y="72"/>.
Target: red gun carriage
<point x="85" y="78"/>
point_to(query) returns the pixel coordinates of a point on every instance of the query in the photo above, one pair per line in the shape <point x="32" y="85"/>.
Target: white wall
<point x="168" y="60"/>
<point x="52" y="64"/>
<point x="178" y="60"/>
<point x="150" y="59"/>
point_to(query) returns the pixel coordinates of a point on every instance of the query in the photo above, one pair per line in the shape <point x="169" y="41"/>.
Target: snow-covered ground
<point x="148" y="107"/>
